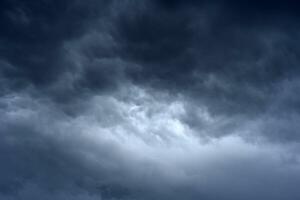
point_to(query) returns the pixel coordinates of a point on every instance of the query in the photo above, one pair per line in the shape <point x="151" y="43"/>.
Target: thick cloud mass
<point x="149" y="100"/>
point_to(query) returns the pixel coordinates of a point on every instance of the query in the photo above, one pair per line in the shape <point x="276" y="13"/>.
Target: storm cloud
<point x="154" y="99"/>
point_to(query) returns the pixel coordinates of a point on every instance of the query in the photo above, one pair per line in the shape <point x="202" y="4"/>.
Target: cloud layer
<point x="140" y="100"/>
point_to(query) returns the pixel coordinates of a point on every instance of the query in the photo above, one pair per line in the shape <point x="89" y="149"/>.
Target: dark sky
<point x="149" y="100"/>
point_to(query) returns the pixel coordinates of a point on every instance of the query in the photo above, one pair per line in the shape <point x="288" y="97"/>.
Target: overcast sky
<point x="149" y="100"/>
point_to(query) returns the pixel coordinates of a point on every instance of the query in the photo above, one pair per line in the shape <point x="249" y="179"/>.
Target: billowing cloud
<point x="140" y="100"/>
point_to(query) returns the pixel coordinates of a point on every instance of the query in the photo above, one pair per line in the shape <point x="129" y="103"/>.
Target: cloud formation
<point x="140" y="100"/>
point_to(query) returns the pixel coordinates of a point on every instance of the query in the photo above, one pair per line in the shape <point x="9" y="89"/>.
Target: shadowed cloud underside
<point x="149" y="100"/>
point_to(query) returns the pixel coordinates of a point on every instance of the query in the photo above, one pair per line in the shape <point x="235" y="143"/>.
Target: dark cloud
<point x="33" y="34"/>
<point x="230" y="56"/>
<point x="149" y="100"/>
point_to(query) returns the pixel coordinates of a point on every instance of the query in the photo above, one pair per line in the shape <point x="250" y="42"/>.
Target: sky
<point x="149" y="100"/>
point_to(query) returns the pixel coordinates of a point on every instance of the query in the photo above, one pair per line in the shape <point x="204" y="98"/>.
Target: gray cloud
<point x="140" y="150"/>
<point x="149" y="100"/>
